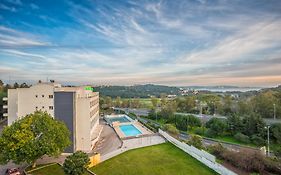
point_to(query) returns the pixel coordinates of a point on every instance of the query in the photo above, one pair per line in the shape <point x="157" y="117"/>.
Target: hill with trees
<point x="136" y="91"/>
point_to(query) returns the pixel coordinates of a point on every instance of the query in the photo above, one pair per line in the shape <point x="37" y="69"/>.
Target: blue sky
<point x="173" y="42"/>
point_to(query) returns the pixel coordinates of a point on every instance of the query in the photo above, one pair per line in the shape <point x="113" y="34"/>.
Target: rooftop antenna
<point x="47" y="79"/>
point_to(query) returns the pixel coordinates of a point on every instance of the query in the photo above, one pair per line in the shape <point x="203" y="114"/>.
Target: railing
<point x="201" y="155"/>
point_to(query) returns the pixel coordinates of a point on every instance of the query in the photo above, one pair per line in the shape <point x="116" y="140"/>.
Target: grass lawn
<point x="53" y="169"/>
<point x="163" y="159"/>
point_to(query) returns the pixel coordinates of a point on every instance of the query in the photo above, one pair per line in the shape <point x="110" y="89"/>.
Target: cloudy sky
<point x="173" y="42"/>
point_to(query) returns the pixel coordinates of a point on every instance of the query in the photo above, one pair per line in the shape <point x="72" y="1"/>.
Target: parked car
<point x="13" y="171"/>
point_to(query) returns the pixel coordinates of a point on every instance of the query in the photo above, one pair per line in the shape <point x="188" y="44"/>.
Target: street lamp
<point x="268" y="151"/>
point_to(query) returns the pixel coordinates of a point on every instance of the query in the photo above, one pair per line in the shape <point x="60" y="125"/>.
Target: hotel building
<point x="77" y="107"/>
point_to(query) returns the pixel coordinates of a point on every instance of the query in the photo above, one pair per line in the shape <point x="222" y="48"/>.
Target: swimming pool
<point x="121" y="119"/>
<point x="130" y="130"/>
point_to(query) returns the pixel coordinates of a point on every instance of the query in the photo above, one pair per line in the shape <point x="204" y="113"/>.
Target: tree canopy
<point x="31" y="137"/>
<point x="76" y="164"/>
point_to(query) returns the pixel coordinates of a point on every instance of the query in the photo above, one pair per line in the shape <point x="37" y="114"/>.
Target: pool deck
<point x="116" y="126"/>
<point x="139" y="126"/>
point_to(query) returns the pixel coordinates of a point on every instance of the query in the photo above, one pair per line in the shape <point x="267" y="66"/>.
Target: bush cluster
<point x="242" y="138"/>
<point x="171" y="129"/>
<point x="249" y="160"/>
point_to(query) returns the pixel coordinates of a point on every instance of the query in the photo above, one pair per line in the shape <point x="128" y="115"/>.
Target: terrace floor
<point x="108" y="141"/>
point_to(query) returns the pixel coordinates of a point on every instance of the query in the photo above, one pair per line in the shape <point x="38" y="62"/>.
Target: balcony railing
<point x="5" y="106"/>
<point x="5" y="114"/>
<point x="5" y="98"/>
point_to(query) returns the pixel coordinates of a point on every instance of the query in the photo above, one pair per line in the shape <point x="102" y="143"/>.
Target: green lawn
<point x="163" y="159"/>
<point x="53" y="169"/>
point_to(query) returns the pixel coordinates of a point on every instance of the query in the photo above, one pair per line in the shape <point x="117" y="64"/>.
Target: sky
<point x="169" y="42"/>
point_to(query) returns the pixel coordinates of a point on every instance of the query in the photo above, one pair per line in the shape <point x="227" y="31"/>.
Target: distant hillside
<point x="140" y="91"/>
<point x="223" y="88"/>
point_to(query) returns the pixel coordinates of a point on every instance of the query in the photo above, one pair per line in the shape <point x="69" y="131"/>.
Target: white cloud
<point x="10" y="38"/>
<point x="249" y="40"/>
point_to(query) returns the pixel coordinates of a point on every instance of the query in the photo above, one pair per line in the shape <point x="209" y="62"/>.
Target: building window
<point x="43" y="107"/>
<point x="42" y="95"/>
<point x="50" y="96"/>
<point x="51" y="107"/>
<point x="36" y="107"/>
<point x="36" y="96"/>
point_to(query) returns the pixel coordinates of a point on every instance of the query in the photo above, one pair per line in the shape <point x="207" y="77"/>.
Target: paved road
<point x="138" y="112"/>
<point x="206" y="142"/>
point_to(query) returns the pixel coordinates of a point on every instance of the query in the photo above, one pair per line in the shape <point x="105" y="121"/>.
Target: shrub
<point x="242" y="138"/>
<point x="199" y="130"/>
<point x="196" y="141"/>
<point x="210" y="133"/>
<point x="171" y="129"/>
<point x="249" y="160"/>
<point x="257" y="140"/>
<point x="76" y="164"/>
<point x="277" y="151"/>
<point x="273" y="166"/>
<point x="216" y="150"/>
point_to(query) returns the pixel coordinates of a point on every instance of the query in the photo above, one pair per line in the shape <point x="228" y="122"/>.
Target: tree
<point x="135" y="103"/>
<point x="263" y="104"/>
<point x="168" y="110"/>
<point x="235" y="124"/>
<point x="253" y="124"/>
<point x="154" y="102"/>
<point x="76" y="164"/>
<point x="118" y="102"/>
<point x="24" y="85"/>
<point x="16" y="85"/>
<point x="276" y="132"/>
<point x="216" y="126"/>
<point x="193" y="121"/>
<point x="1" y="85"/>
<point x="163" y="99"/>
<point x="227" y="105"/>
<point x="7" y="87"/>
<point x="108" y="102"/>
<point x="244" y="107"/>
<point x="31" y="137"/>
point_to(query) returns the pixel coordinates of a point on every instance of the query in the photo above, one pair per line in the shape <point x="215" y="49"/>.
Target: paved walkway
<point x="108" y="141"/>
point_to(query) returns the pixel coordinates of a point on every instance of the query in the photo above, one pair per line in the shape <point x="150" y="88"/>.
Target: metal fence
<point x="201" y="155"/>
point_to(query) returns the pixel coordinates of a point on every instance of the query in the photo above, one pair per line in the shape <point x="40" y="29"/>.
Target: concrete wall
<point x="12" y="105"/>
<point x="83" y="125"/>
<point x="64" y="111"/>
<point x="24" y="101"/>
<point x="35" y="98"/>
<point x="201" y="155"/>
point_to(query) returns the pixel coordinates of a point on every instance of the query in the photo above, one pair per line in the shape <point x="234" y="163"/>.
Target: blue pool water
<point x="129" y="130"/>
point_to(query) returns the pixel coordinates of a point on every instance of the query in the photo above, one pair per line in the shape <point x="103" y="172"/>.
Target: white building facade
<point x="77" y="107"/>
